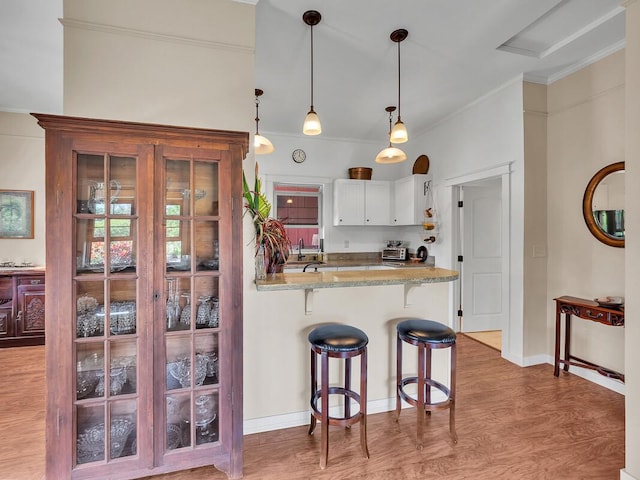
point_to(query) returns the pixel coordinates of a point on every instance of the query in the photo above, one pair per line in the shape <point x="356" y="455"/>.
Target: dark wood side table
<point x="587" y="310"/>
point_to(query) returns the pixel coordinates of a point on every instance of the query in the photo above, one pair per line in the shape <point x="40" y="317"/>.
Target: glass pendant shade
<point x="399" y="133"/>
<point x="312" y="124"/>
<point x="391" y="155"/>
<point x="262" y="145"/>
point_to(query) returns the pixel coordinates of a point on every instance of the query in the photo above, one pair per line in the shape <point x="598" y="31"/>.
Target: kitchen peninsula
<point x="368" y="294"/>
<point x="309" y="281"/>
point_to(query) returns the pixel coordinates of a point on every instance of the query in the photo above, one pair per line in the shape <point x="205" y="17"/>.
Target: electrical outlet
<point x="346" y="244"/>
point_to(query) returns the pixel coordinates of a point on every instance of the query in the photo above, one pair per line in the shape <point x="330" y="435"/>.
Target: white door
<point x="482" y="252"/>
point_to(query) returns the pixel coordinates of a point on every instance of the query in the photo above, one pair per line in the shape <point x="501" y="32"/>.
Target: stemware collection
<point x="179" y="313"/>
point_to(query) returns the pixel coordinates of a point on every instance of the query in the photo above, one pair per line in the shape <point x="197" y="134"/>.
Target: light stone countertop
<point x="355" y="278"/>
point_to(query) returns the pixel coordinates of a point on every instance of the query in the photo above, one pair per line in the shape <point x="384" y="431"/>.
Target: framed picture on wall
<point x="16" y="213"/>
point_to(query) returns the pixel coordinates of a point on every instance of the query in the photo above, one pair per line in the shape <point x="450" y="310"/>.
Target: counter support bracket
<point x="407" y="288"/>
<point x="308" y="300"/>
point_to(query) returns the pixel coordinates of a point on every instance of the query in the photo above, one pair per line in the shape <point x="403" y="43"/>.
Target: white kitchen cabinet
<point x="361" y="202"/>
<point x="409" y="195"/>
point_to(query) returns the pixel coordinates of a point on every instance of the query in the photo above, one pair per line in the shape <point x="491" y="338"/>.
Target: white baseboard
<point x="625" y="476"/>
<point x="296" y="419"/>
<point x="535" y="360"/>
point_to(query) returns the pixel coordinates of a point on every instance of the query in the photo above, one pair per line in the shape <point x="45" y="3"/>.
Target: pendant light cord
<point x="399" y="109"/>
<point x="312" y="68"/>
<point x="257" y="116"/>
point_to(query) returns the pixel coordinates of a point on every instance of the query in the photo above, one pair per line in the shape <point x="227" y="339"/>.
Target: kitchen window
<point x="299" y="208"/>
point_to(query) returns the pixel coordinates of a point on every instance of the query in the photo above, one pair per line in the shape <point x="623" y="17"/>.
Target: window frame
<point x="302" y="183"/>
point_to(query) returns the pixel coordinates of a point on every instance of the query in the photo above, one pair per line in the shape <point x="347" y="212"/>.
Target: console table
<point x="587" y="310"/>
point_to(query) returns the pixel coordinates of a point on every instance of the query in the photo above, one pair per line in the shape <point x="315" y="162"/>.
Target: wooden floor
<point x="493" y="338"/>
<point x="512" y="422"/>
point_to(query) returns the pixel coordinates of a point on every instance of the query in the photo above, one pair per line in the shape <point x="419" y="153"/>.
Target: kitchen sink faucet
<point x="300" y="247"/>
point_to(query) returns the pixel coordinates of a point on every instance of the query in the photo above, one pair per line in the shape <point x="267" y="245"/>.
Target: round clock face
<point x="298" y="155"/>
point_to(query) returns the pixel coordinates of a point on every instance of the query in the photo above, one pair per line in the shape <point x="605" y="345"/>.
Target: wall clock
<point x="299" y="155"/>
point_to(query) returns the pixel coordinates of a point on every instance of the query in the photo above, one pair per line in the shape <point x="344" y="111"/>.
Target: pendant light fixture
<point x="391" y="154"/>
<point x="399" y="132"/>
<point x="261" y="145"/>
<point x="311" y="122"/>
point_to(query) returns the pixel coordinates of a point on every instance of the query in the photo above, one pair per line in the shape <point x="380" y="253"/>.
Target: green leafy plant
<point x="270" y="232"/>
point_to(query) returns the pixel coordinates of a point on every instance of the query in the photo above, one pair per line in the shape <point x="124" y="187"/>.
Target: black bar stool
<point x="338" y="341"/>
<point x="426" y="335"/>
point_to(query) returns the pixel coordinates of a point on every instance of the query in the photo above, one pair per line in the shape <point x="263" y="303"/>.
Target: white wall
<point x="22" y="167"/>
<point x="486" y="134"/>
<point x="535" y="303"/>
<point x="171" y="62"/>
<point x="585" y="132"/>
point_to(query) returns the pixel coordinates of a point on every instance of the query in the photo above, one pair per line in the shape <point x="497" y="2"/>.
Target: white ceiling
<point x="456" y="51"/>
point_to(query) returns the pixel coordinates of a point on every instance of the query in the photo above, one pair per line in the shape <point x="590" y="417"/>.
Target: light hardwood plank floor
<point x="493" y="338"/>
<point x="512" y="423"/>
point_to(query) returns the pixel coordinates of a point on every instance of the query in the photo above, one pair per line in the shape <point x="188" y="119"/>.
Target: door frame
<point x="503" y="172"/>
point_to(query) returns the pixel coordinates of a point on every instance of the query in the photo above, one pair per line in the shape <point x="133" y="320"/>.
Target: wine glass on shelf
<point x="185" y="316"/>
<point x="173" y="305"/>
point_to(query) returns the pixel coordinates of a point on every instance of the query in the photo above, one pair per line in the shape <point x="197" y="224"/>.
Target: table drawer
<point x="31" y="280"/>
<point x="597" y="314"/>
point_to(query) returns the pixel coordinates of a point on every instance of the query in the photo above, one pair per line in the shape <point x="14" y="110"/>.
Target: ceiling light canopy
<point x="399" y="131"/>
<point x="261" y="145"/>
<point x="311" y="122"/>
<point x="391" y="154"/>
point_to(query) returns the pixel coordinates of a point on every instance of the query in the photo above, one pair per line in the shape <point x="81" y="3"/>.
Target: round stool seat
<point x="338" y="338"/>
<point x="426" y="331"/>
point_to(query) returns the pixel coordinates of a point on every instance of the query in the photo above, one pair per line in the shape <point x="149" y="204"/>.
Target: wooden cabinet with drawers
<point x="21" y="308"/>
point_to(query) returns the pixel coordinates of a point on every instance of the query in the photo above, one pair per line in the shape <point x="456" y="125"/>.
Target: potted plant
<point x="270" y="232"/>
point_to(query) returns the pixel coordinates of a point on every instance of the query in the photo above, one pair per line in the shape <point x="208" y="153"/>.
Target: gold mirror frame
<point x="587" y="205"/>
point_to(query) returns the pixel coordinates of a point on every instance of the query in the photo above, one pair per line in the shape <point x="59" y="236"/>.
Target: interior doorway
<point x="481" y="227"/>
<point x="482" y="232"/>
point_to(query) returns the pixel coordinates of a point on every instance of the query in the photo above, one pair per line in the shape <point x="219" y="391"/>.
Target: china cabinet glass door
<point x="192" y="308"/>
<point x="107" y="320"/>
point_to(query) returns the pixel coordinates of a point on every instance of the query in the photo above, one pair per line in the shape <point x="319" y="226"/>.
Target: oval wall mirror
<point x="603" y="205"/>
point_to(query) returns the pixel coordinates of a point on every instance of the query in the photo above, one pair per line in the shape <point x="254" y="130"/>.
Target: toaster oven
<point x="395" y="253"/>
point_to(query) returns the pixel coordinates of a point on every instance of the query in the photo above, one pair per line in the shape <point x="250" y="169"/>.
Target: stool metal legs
<point x="423" y="403"/>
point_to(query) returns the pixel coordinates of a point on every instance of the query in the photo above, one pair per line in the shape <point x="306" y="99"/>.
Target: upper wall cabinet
<point x="367" y="202"/>
<point x="144" y="298"/>
<point x="410" y="195"/>
<point x="361" y="202"/>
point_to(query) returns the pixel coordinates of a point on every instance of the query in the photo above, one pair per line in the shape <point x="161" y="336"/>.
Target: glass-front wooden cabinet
<point x="144" y="298"/>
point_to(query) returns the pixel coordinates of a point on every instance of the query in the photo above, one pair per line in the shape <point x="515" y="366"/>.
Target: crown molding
<point x="160" y="37"/>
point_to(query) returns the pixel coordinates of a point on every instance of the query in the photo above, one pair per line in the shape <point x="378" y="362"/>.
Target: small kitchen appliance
<point x="395" y="251"/>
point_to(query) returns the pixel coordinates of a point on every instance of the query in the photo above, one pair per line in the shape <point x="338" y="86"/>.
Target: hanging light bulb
<point x="390" y="154"/>
<point x="261" y="145"/>
<point x="399" y="132"/>
<point x="311" y="124"/>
